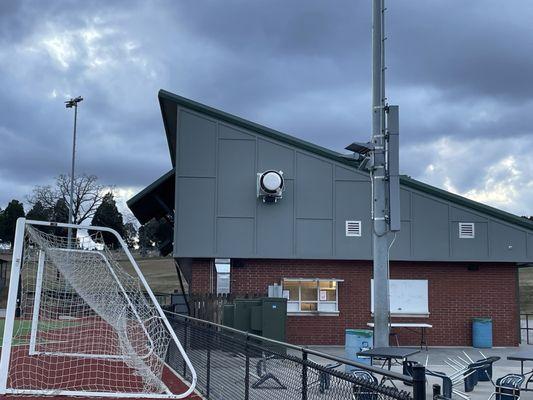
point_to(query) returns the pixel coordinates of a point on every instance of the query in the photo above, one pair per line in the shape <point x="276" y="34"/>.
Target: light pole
<point x="69" y="104"/>
<point x="380" y="240"/>
<point x="381" y="157"/>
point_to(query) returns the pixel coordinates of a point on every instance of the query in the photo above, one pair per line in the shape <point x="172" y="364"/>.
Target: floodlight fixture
<point x="73" y="102"/>
<point x="360" y="148"/>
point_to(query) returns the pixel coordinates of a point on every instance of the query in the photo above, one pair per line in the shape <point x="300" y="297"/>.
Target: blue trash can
<point x="482" y="332"/>
<point x="358" y="340"/>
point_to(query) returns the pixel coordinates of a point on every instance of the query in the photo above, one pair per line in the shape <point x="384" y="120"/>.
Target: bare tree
<point x="88" y="195"/>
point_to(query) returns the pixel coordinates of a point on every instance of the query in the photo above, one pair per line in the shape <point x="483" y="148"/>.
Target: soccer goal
<point x="81" y="319"/>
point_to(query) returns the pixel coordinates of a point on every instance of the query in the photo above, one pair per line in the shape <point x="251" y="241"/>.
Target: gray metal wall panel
<point x="314" y="238"/>
<point x="351" y="204"/>
<point x="275" y="225"/>
<point x="320" y="195"/>
<point x="460" y="215"/>
<point x="401" y="248"/>
<point x="196" y="214"/>
<point x="405" y="204"/>
<point x="314" y="187"/>
<point x="197" y="145"/>
<point x="345" y="174"/>
<point x="274" y="156"/>
<point x="430" y="230"/>
<point x="235" y="236"/>
<point x="470" y="249"/>
<point x="236" y="186"/>
<point x="506" y="242"/>
<point x="228" y="132"/>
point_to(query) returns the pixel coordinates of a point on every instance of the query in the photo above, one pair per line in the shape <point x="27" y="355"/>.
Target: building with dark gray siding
<point x="454" y="259"/>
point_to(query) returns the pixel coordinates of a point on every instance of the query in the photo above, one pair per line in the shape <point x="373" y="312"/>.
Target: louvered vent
<point x="467" y="230"/>
<point x="353" y="228"/>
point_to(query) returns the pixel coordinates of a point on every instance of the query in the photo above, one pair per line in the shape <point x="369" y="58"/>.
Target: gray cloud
<point x="459" y="70"/>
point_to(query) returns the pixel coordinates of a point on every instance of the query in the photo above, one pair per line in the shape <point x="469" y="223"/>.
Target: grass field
<point x="22" y="328"/>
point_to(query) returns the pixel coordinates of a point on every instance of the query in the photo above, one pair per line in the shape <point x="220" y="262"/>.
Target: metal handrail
<point x="377" y="370"/>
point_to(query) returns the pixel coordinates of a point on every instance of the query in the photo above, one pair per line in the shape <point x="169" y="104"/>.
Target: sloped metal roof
<point x="145" y="202"/>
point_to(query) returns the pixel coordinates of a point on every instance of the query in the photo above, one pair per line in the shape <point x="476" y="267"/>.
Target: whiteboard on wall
<point x="407" y="296"/>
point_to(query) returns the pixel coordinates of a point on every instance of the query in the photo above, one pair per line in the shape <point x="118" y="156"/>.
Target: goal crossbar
<point x="19" y="254"/>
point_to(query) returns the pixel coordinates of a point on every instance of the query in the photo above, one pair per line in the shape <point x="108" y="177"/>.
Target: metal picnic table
<point x="524" y="356"/>
<point x="388" y="354"/>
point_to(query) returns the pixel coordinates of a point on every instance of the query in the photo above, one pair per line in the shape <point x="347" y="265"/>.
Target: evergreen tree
<point x="60" y="214"/>
<point x="8" y="221"/>
<point x="107" y="215"/>
<point x="39" y="213"/>
<point x="60" y="211"/>
<point x="144" y="242"/>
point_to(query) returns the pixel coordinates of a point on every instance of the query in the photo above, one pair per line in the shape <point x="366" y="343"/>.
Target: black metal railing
<point x="526" y="328"/>
<point x="231" y="364"/>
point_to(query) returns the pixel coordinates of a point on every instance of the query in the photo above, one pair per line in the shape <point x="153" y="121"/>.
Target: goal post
<point x="88" y="322"/>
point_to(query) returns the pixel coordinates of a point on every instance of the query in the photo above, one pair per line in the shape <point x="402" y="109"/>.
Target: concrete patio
<point x="436" y="357"/>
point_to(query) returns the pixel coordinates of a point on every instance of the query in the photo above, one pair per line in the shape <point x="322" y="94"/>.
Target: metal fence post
<point x="419" y="382"/>
<point x="247" y="370"/>
<point x="208" y="364"/>
<point x="304" y="375"/>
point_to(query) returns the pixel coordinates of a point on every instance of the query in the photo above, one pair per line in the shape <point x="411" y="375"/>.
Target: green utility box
<point x="228" y="312"/>
<point x="256" y="321"/>
<point x="274" y="317"/>
<point x="266" y="316"/>
<point x="242" y="317"/>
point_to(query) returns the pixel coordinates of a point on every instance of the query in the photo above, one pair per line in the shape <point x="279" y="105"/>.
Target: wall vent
<point x="353" y="228"/>
<point x="467" y="230"/>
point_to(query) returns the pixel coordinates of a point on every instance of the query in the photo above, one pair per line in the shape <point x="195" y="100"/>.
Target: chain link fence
<point x="234" y="365"/>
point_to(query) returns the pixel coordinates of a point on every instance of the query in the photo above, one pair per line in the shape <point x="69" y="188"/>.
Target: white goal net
<point x="86" y="322"/>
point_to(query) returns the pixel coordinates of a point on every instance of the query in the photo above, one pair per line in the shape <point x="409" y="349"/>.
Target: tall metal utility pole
<point x="69" y="104"/>
<point x="380" y="240"/>
<point x="381" y="157"/>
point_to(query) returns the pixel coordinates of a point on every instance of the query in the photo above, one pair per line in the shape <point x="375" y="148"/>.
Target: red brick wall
<point x="202" y="277"/>
<point x="456" y="295"/>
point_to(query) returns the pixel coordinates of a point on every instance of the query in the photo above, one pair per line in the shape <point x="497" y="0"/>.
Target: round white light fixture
<point x="271" y="181"/>
<point x="270" y="186"/>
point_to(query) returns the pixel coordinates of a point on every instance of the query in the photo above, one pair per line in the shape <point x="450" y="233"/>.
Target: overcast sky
<point x="460" y="71"/>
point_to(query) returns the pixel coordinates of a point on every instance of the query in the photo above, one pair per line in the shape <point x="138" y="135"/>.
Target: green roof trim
<point x="318" y="150"/>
